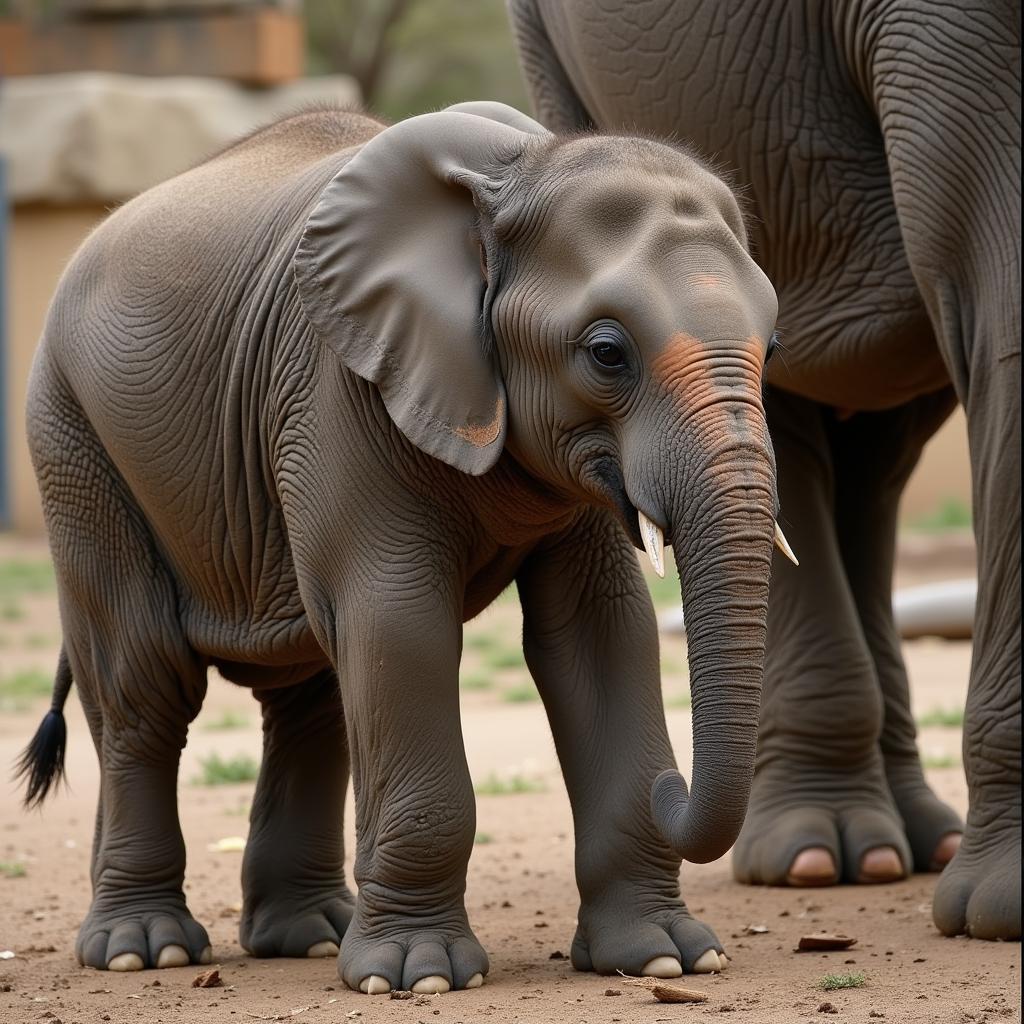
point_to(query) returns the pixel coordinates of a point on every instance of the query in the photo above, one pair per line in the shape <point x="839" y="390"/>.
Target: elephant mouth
<point x="606" y="483"/>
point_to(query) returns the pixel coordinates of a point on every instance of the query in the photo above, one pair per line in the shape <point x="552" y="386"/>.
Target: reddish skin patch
<point x="684" y="362"/>
<point x="706" y="281"/>
<point x="482" y="436"/>
<point x="680" y="362"/>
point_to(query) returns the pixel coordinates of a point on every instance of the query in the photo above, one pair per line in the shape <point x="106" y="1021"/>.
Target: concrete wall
<point x="42" y="239"/>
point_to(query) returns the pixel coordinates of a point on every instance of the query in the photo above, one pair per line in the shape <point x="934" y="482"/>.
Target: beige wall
<point x="41" y="242"/>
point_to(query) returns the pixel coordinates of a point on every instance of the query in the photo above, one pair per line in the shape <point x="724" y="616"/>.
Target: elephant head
<point x="586" y="304"/>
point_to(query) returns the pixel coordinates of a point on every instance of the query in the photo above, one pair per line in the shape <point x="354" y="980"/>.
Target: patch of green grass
<point x="30" y="683"/>
<point x="940" y="761"/>
<point x="947" y="718"/>
<point x="12" y="869"/>
<point x="664" y="591"/>
<point x="494" y="785"/>
<point x="853" y="979"/>
<point x="39" y="641"/>
<point x="227" y="720"/>
<point x="218" y="771"/>
<point x="522" y="694"/>
<point x="475" y="681"/>
<point x="951" y="514"/>
<point x="20" y="576"/>
<point x="11" y="611"/>
<point x="481" y="641"/>
<point x="510" y="595"/>
<point x="679" y="700"/>
<point x="483" y="838"/>
<point x="505" y="657"/>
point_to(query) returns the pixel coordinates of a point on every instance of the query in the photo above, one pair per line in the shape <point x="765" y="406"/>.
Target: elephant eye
<point x="773" y="344"/>
<point x="607" y="354"/>
<point x="606" y="345"/>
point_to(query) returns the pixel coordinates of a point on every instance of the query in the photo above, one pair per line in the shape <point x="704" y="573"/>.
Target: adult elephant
<point x="878" y="145"/>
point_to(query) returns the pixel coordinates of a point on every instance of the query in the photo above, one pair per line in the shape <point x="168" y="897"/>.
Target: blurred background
<point x="100" y="99"/>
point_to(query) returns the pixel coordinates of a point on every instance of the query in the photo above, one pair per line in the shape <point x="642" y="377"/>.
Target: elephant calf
<point x="301" y="412"/>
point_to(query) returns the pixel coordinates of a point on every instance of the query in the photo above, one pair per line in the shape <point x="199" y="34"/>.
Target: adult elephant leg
<point x="592" y="647"/>
<point x="873" y="456"/>
<point x="296" y="902"/>
<point x="820" y="809"/>
<point x="398" y="659"/>
<point x="956" y="182"/>
<point x="139" y="683"/>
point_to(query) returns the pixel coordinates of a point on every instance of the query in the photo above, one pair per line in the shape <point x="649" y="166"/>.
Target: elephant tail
<point x="41" y="764"/>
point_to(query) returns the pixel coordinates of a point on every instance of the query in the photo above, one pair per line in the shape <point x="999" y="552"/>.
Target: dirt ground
<point x="521" y="895"/>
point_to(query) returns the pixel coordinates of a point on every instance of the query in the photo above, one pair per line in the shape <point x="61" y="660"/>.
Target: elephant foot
<point x="640" y="935"/>
<point x="979" y="891"/>
<point x="429" y="954"/>
<point x="296" y="925"/>
<point x="933" y="828"/>
<point x="133" y="935"/>
<point x="812" y="827"/>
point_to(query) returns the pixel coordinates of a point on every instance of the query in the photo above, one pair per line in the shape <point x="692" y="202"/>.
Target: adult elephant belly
<point x="810" y="163"/>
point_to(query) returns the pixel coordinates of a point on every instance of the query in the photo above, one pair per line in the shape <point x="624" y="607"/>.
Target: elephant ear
<point x="388" y="273"/>
<point x="502" y="112"/>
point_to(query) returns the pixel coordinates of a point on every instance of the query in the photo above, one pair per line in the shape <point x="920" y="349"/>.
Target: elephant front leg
<point x="415" y="813"/>
<point x="591" y="643"/>
<point x="296" y="902"/>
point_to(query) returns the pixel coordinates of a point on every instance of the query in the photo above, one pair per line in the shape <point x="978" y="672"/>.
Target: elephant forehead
<point x="609" y="209"/>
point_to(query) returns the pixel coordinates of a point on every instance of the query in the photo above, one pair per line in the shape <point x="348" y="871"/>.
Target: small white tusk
<point x="783" y="545"/>
<point x="654" y="543"/>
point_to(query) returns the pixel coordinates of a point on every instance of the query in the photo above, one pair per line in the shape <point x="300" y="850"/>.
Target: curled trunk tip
<point x="696" y="840"/>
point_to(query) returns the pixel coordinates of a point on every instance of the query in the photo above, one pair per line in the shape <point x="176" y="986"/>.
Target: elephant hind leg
<point x="820" y="809"/>
<point x="296" y="902"/>
<point x="139" y="683"/>
<point x="871" y="472"/>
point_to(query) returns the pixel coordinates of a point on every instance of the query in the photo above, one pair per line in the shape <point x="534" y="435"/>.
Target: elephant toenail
<point x="476" y="981"/>
<point x="325" y="948"/>
<point x="707" y="963"/>
<point x="434" y="985"/>
<point x="662" y="967"/>
<point x="946" y="850"/>
<point x="724" y="961"/>
<point x="813" y="866"/>
<point x="126" y="962"/>
<point x="172" y="956"/>
<point x="206" y="957"/>
<point x="375" y="985"/>
<point x="881" y="864"/>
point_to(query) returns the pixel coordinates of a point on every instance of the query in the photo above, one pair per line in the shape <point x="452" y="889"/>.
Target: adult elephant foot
<point x="292" y="921"/>
<point x="427" y="953"/>
<point x="979" y="892"/>
<point x="141" y="934"/>
<point x="646" y="935"/>
<point x="813" y="826"/>
<point x="932" y="827"/>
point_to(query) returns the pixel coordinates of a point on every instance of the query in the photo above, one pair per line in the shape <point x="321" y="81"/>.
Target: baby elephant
<point x="301" y="412"/>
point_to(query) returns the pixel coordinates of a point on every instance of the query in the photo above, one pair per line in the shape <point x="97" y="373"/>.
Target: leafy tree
<point x="409" y="56"/>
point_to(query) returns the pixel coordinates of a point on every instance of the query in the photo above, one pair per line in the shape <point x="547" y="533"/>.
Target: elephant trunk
<point x="722" y="536"/>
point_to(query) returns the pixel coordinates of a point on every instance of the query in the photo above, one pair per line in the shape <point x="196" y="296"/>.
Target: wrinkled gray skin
<point x="878" y="147"/>
<point x="301" y="412"/>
